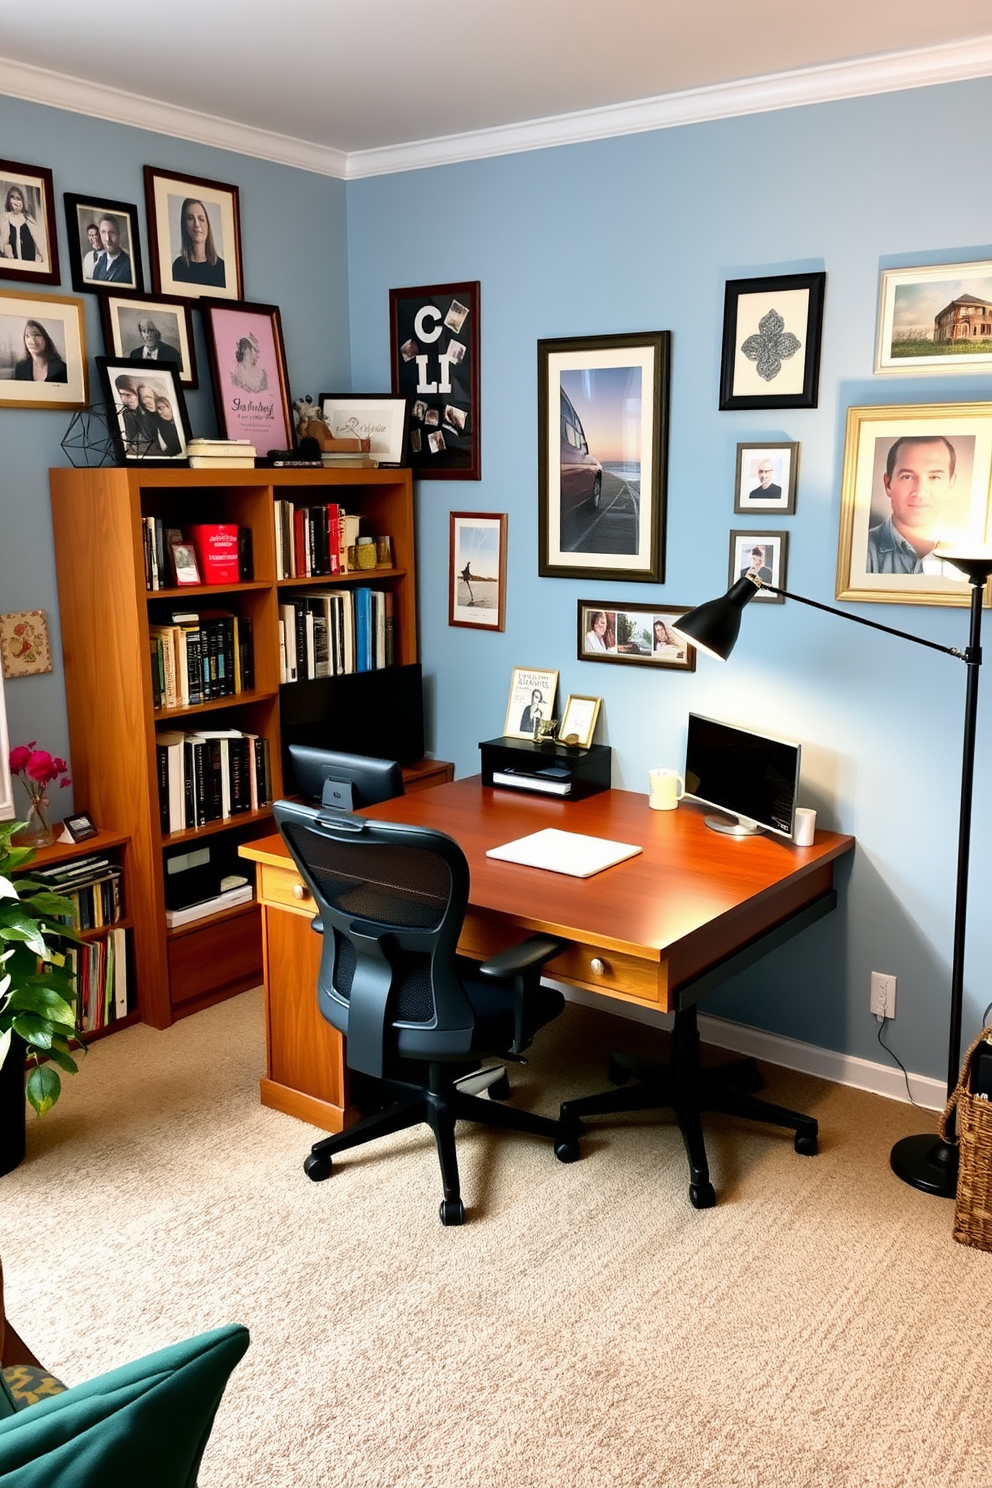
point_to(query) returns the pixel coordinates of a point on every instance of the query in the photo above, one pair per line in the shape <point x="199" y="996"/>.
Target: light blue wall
<point x="294" y="255"/>
<point x="641" y="233"/>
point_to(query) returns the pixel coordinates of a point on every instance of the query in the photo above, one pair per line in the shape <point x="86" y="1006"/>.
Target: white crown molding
<point x="885" y="73"/>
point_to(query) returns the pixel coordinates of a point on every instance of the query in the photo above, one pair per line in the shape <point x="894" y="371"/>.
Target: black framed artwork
<point x="29" y="249"/>
<point x="771" y="341"/>
<point x="434" y="340"/>
<point x="150" y="328"/>
<point x="194" y="230"/>
<point x="104" y="241"/>
<point x="147" y="412"/>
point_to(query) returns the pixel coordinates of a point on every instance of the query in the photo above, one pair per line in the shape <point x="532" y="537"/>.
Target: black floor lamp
<point x="925" y="1161"/>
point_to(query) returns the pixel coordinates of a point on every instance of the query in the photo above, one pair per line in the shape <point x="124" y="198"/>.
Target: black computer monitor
<point x="344" y="782"/>
<point x="752" y="777"/>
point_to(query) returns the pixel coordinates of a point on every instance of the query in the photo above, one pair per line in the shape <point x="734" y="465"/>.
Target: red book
<point x="216" y="546"/>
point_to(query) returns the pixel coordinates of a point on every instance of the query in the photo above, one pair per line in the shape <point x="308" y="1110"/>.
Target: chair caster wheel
<point x="702" y="1195"/>
<point x="567" y="1150"/>
<point x="615" y="1071"/>
<point x="806" y="1145"/>
<point x="317" y="1167"/>
<point x="500" y="1089"/>
<point x="452" y="1212"/>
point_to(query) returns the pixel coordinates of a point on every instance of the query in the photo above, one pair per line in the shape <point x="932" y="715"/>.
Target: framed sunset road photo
<point x="146" y="412"/>
<point x="42" y="351"/>
<point x="936" y="319"/>
<point x="149" y="330"/>
<point x="477" y="570"/>
<point x="771" y="341"/>
<point x="915" y="476"/>
<point x="602" y="419"/>
<point x="28" y="244"/>
<point x="104" y="243"/>
<point x="194" y="228"/>
<point x="248" y="368"/>
<point x="636" y="634"/>
<point x="434" y="356"/>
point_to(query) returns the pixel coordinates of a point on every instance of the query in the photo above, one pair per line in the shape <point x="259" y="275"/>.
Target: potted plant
<point x="37" y="993"/>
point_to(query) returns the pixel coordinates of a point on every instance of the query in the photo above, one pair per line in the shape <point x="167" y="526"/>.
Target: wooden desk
<point x="655" y="931"/>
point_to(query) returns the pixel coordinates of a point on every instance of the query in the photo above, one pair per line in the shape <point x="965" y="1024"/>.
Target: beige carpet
<point x="586" y="1327"/>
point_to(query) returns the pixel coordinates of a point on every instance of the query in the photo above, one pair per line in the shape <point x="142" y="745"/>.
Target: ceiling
<point x="350" y="76"/>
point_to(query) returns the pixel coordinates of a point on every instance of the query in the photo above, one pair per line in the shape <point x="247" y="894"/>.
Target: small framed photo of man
<point x="104" y="243"/>
<point x="141" y="329"/>
<point x="28" y="245"/>
<point x="42" y="351"/>
<point x="760" y="555"/>
<point x="149" y="420"/>
<point x="532" y="701"/>
<point x="194" y="227"/>
<point x="766" y="478"/>
<point x="916" y="483"/>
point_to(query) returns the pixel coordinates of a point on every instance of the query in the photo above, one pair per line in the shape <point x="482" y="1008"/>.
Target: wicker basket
<point x="972" y="1119"/>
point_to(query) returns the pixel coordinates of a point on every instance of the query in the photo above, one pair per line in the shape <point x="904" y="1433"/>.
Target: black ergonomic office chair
<point x="390" y="904"/>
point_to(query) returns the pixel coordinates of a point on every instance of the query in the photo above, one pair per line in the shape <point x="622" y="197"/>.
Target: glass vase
<point x="37" y="831"/>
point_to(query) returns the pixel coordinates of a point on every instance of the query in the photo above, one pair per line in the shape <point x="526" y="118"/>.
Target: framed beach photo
<point x="104" y="243"/>
<point x="602" y="419"/>
<point x="377" y="417"/>
<point x="194" y="229"/>
<point x="29" y="248"/>
<point x="477" y="570"/>
<point x="635" y="634"/>
<point x="915" y="476"/>
<point x="936" y="319"/>
<point x="762" y="554"/>
<point x="434" y="357"/>
<point x="578" y="720"/>
<point x="147" y="412"/>
<point x="143" y="329"/>
<point x="771" y="341"/>
<point x="531" y="702"/>
<point x="42" y="351"/>
<point x="766" y="478"/>
<point x="248" y="367"/>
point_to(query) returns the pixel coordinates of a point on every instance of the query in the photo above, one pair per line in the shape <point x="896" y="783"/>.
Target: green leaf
<point x="45" y="902"/>
<point x="43" y="1088"/>
<point x="43" y="1002"/>
<point x="63" y="1060"/>
<point x="34" y="1031"/>
<point x="15" y="924"/>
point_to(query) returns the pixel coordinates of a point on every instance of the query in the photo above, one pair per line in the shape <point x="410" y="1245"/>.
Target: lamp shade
<point x="713" y="627"/>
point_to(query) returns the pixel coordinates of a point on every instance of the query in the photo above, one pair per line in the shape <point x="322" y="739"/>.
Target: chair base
<point x="439" y="1105"/>
<point x="684" y="1087"/>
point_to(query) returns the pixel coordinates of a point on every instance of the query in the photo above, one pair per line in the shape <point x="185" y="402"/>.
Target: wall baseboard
<point x="773" y="1048"/>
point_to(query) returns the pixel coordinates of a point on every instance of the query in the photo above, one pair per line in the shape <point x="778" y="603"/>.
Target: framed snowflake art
<point x="771" y="341"/>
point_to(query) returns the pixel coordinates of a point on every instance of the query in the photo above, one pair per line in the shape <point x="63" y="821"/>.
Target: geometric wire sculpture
<point x="88" y="439"/>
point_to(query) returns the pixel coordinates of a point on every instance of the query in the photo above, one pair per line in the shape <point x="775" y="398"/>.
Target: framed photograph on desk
<point x="532" y="700"/>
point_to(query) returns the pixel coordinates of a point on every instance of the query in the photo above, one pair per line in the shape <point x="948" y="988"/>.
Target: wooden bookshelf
<point x="105" y="613"/>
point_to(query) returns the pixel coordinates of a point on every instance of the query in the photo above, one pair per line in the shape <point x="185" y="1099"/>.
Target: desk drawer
<point x="284" y="886"/>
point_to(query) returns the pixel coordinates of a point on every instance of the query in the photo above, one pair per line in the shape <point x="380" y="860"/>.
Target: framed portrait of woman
<point x="194" y="228"/>
<point x="248" y="368"/>
<point x="42" y="351"/>
<point x="28" y="246"/>
<point x="147" y="412"/>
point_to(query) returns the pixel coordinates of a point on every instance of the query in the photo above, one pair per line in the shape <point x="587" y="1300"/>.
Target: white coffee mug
<point x="804" y="827"/>
<point x="666" y="789"/>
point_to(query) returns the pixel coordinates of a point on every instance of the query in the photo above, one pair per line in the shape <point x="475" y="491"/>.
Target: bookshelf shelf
<point x="106" y="612"/>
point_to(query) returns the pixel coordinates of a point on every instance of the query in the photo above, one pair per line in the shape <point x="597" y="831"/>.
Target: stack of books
<point x="350" y="452"/>
<point x="205" y="454"/>
<point x="240" y="892"/>
<point x="210" y="775"/>
<point x="99" y="968"/>
<point x="203" y="655"/>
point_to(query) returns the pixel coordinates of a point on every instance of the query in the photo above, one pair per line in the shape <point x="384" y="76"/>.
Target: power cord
<point x="895" y="1056"/>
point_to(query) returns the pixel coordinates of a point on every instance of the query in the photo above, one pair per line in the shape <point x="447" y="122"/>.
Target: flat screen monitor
<point x="752" y="777"/>
<point x="377" y="713"/>
<point x="344" y="782"/>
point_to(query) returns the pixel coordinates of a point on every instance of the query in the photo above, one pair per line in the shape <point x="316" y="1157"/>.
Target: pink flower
<point x="19" y="757"/>
<point x="36" y="768"/>
<point x="41" y="767"/>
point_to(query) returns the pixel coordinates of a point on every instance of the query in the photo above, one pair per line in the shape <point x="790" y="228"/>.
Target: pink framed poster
<point x="248" y="368"/>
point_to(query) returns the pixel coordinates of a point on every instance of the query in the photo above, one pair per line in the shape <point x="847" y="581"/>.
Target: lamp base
<point x="928" y="1163"/>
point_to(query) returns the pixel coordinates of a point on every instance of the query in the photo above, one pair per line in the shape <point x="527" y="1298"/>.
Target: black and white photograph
<point x="771" y="341"/>
<point x="104" y="243"/>
<point x="759" y="555"/>
<point x="150" y="330"/>
<point x="637" y="633"/>
<point x="194" y="229"/>
<point x="766" y="478"/>
<point x="28" y="244"/>
<point x="477" y="570"/>
<point x="150" y="422"/>
<point x="531" y="702"/>
<point x="434" y="341"/>
<point x="42" y="351"/>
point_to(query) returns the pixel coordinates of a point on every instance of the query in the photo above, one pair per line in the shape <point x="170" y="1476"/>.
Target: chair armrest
<point x="529" y="955"/>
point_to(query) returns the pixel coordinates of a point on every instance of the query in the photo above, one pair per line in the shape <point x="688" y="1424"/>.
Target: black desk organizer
<point x="547" y="769"/>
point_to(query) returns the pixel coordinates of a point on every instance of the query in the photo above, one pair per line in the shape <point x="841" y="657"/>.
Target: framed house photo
<point x="29" y="248"/>
<point x="915" y="476"/>
<point x="936" y="319"/>
<point x="150" y="330"/>
<point x="248" y="367"/>
<point x="578" y="720"/>
<point x="194" y="228"/>
<point x="638" y="634"/>
<point x="104" y="243"/>
<point x="766" y="478"/>
<point x="434" y="344"/>
<point x="147" y="412"/>
<point x="531" y="702"/>
<point x="42" y="351"/>
<point x="477" y="570"/>
<point x="762" y="554"/>
<point x="602" y="420"/>
<point x="771" y="341"/>
<point x="377" y="417"/>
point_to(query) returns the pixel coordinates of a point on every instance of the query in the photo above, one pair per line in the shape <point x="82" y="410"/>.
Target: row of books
<point x="92" y="886"/>
<point x="223" y="553"/>
<point x="199" y="657"/>
<point x="209" y="775"/>
<point x="100" y="973"/>
<point x="313" y="541"/>
<point x="330" y="633"/>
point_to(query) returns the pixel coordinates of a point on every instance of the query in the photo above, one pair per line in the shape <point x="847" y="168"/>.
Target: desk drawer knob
<point x="300" y="891"/>
<point x="597" y="966"/>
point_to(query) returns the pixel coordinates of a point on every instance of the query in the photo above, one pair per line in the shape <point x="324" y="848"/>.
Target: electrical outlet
<point x="883" y="995"/>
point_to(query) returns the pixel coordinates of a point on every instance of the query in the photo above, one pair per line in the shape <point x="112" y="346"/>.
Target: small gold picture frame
<point x="578" y="721"/>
